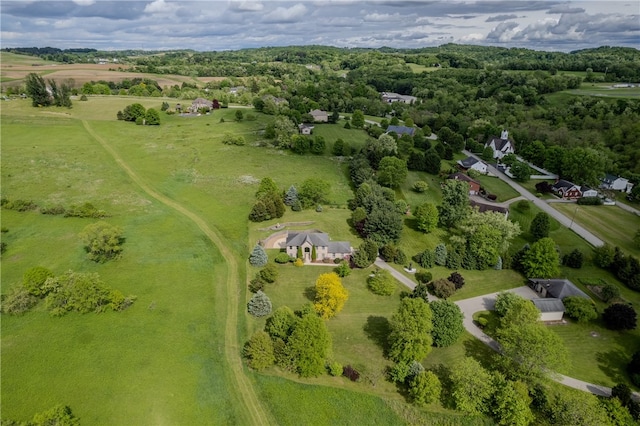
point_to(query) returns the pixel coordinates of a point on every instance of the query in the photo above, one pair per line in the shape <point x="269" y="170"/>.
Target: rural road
<point x="564" y="220"/>
<point x="254" y="408"/>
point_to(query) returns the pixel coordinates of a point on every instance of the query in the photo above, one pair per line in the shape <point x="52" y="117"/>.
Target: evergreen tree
<point x="259" y="305"/>
<point x="258" y="256"/>
<point x="440" y="256"/>
<point x="540" y="226"/>
<point x="291" y="196"/>
<point x="37" y="90"/>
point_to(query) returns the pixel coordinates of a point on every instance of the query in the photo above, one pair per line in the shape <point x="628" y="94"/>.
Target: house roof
<point x="305" y="126"/>
<point x="609" y="179"/>
<point x="401" y="130"/>
<point x="482" y="208"/>
<point x="549" y="305"/>
<point x="462" y="176"/>
<point x="201" y="101"/>
<point x="564" y="184"/>
<point x="318" y="113"/>
<point x="560" y="288"/>
<point x="468" y="162"/>
<point x="314" y="238"/>
<point x="339" y="247"/>
<point x="500" y="144"/>
<point x="585" y="188"/>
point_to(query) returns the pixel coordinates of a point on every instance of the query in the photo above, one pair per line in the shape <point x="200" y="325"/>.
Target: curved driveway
<point x="564" y="220"/>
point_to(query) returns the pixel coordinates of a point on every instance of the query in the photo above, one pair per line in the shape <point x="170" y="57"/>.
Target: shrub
<point x="579" y="308"/>
<point x="573" y="259"/>
<point x="401" y="258"/>
<point x="259" y="351"/>
<point x="53" y="210"/>
<point x="590" y="201"/>
<point x="18" y="301"/>
<point x="298" y="262"/>
<point x="425" y="388"/>
<point x="342" y="269"/>
<point x="603" y="256"/>
<point x="19" y="205"/>
<point x="457" y="280"/>
<point x="319" y="208"/>
<point x="425" y="259"/>
<point x="231" y="139"/>
<point x="269" y="273"/>
<point x="423" y="277"/>
<point x="34" y="278"/>
<point x="282" y="258"/>
<point x="258" y="256"/>
<point x="85" y="210"/>
<point x="609" y="291"/>
<point x="620" y="316"/>
<point x="442" y="288"/>
<point x="350" y="373"/>
<point x="259" y="305"/>
<point x="102" y="241"/>
<point x="256" y="284"/>
<point x="388" y="252"/>
<point x="440" y="255"/>
<point x="622" y="392"/>
<point x="523" y="206"/>
<point x="334" y="368"/>
<point x="381" y="283"/>
<point x="420" y="186"/>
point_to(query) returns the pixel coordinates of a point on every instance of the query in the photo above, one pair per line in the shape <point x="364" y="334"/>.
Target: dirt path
<point x="257" y="413"/>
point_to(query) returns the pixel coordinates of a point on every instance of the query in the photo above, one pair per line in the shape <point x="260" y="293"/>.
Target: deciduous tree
<point x="455" y="202"/>
<point x="410" y="337"/>
<point x="330" y="295"/>
<point x="309" y="345"/>
<point x="620" y="316"/>
<point x="471" y="387"/>
<point x="102" y="241"/>
<point x="259" y="351"/>
<point x="447" y="322"/>
<point x="425" y="388"/>
<point x="381" y="283"/>
<point x="426" y="215"/>
<point x="392" y="172"/>
<point x="541" y="260"/>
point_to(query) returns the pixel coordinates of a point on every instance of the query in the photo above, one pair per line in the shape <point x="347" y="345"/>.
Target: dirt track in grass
<point x="256" y="411"/>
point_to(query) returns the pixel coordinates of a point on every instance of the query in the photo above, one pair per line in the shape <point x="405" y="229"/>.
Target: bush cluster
<point x="625" y="267"/>
<point x="18" y="205"/>
<point x="350" y="373"/>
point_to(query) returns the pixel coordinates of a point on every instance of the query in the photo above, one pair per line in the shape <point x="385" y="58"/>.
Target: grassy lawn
<point x="493" y="185"/>
<point x="612" y="224"/>
<point x="331" y="132"/>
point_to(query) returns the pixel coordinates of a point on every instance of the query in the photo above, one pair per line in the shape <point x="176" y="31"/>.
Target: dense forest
<point x="462" y="91"/>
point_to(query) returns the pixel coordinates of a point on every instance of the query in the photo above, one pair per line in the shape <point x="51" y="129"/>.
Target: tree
<point x="540" y="226"/>
<point x="442" y="288"/>
<point x="291" y="196"/>
<point x="309" y="345"/>
<point x="338" y="148"/>
<point x="366" y="254"/>
<point x="440" y="255"/>
<point x="392" y="172"/>
<point x="633" y="368"/>
<point x="381" y="283"/>
<point x="455" y="202"/>
<point x="487" y="235"/>
<point x="410" y="336"/>
<point x="620" y="316"/>
<point x="134" y="112"/>
<point x="604" y="255"/>
<point x="281" y="324"/>
<point x="420" y="186"/>
<point x="259" y="305"/>
<point x="34" y="278"/>
<point x="259" y="351"/>
<point x="313" y="191"/>
<point x="425" y="388"/>
<point x="515" y="310"/>
<point x="152" y="117"/>
<point x="471" y="386"/>
<point x="102" y="241"/>
<point x="36" y="89"/>
<point x="61" y="94"/>
<point x="342" y="269"/>
<point x="584" y="166"/>
<point x="269" y="273"/>
<point x="541" y="260"/>
<point x="426" y="215"/>
<point x="580" y="308"/>
<point x="573" y="259"/>
<point x="520" y="171"/>
<point x="60" y="415"/>
<point x="383" y="225"/>
<point x="511" y="402"/>
<point x="431" y="162"/>
<point x="531" y="349"/>
<point x="506" y="301"/>
<point x="447" y="322"/>
<point x="239" y="115"/>
<point x="318" y="145"/>
<point x="330" y="295"/>
<point x="258" y="256"/>
<point x="357" y="119"/>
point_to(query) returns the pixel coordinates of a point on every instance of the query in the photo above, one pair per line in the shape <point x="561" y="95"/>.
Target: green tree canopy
<point x="426" y="215"/>
<point x="309" y="345"/>
<point x="542" y="259"/>
<point x="259" y="351"/>
<point x="102" y="241"/>
<point x="540" y="226"/>
<point x="410" y="338"/>
<point x="447" y="322"/>
<point x="455" y="203"/>
<point x="36" y="89"/>
<point x="392" y="172"/>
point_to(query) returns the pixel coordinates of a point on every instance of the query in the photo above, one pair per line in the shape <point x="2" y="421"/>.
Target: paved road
<point x="397" y="275"/>
<point x="628" y="208"/>
<point x="564" y="220"/>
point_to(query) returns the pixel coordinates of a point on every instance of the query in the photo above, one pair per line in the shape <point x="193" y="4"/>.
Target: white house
<point x="550" y="309"/>
<point x="501" y="146"/>
<point x="390" y="97"/>
<point x="473" y="163"/>
<point x="305" y="129"/>
<point x="588" y="192"/>
<point x="303" y="244"/>
<point x="616" y="183"/>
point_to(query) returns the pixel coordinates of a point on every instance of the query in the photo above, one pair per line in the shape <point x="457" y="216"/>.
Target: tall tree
<point x="37" y="90"/>
<point x="447" y="323"/>
<point x="583" y="166"/>
<point x="540" y="226"/>
<point x="455" y="203"/>
<point x="309" y="345"/>
<point x="259" y="351"/>
<point x="426" y="215"/>
<point x="258" y="256"/>
<point x="392" y="172"/>
<point x="357" y="119"/>
<point x="471" y="386"/>
<point x="541" y="260"/>
<point x="102" y="241"/>
<point x="410" y="337"/>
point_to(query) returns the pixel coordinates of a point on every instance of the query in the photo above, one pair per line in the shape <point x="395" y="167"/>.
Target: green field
<point x="612" y="224"/>
<point x="498" y="187"/>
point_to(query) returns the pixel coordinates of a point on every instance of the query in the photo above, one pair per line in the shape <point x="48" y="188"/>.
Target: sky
<point x="230" y="25"/>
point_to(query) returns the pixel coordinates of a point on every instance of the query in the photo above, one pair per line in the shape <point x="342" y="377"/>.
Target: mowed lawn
<point x="612" y="224"/>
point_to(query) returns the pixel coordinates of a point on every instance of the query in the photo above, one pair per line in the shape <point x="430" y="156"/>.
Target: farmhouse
<point x="473" y="163"/>
<point x="567" y="190"/>
<point x="319" y="116"/>
<point x="616" y="183"/>
<point x="306" y="243"/>
<point x="501" y="146"/>
<point x="401" y="130"/>
<point x="200" y="103"/>
<point x="474" y="187"/>
<point x="552" y="291"/>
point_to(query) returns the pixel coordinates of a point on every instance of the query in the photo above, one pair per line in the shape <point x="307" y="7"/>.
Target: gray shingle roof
<point x="401" y="130"/>
<point x="467" y="162"/>
<point x="549" y="305"/>
<point x="315" y="238"/>
<point x="339" y="247"/>
<point x="560" y="288"/>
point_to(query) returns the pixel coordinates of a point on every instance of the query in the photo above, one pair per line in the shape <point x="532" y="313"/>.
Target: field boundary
<point x="250" y="399"/>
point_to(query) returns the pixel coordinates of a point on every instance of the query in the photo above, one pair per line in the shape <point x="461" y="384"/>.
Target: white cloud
<point x="285" y="15"/>
<point x="382" y="17"/>
<point x="246" y="6"/>
<point x="160" y="6"/>
<point x="84" y="2"/>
